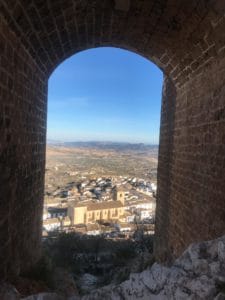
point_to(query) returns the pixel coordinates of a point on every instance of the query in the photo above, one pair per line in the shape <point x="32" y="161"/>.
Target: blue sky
<point x="105" y="94"/>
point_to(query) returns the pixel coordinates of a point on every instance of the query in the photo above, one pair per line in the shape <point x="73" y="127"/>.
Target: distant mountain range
<point x="105" y="145"/>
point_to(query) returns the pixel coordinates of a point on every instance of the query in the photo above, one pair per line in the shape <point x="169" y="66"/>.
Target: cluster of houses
<point x="108" y="206"/>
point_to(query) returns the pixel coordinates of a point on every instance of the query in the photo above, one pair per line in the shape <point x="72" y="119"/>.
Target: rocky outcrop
<point x="198" y="274"/>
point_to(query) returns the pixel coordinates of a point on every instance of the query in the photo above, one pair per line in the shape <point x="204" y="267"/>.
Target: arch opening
<point x="101" y="183"/>
<point x="186" y="41"/>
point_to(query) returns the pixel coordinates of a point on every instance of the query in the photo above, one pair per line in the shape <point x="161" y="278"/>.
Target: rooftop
<point x="99" y="205"/>
<point x="104" y="205"/>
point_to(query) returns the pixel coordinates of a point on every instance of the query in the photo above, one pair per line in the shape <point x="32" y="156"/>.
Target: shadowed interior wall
<point x="191" y="190"/>
<point x="22" y="154"/>
<point x="164" y="170"/>
<point x="185" y="39"/>
<point x="197" y="189"/>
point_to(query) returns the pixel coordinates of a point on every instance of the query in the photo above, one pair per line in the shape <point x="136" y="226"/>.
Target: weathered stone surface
<point x="183" y="280"/>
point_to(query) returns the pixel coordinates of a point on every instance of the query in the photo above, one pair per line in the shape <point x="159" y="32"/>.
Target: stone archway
<point x="185" y="39"/>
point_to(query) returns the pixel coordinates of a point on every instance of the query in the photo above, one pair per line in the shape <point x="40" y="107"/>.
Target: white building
<point x="145" y="214"/>
<point x="130" y="217"/>
<point x="93" y="229"/>
<point x="154" y="186"/>
<point x="51" y="224"/>
<point x="146" y="191"/>
<point x="124" y="227"/>
<point x="142" y="204"/>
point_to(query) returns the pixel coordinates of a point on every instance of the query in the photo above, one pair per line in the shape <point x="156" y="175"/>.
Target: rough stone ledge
<point x="199" y="273"/>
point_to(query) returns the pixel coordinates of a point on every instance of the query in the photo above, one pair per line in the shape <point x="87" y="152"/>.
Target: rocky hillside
<point x="198" y="274"/>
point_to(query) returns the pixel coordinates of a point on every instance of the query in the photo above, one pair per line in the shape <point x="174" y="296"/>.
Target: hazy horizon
<point x="49" y="141"/>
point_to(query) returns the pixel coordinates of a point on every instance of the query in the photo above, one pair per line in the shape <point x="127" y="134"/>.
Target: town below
<point x="100" y="189"/>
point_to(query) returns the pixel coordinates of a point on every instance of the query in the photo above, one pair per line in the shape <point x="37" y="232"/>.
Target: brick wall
<point x="165" y="160"/>
<point x="191" y="194"/>
<point x="22" y="154"/>
<point x="197" y="173"/>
